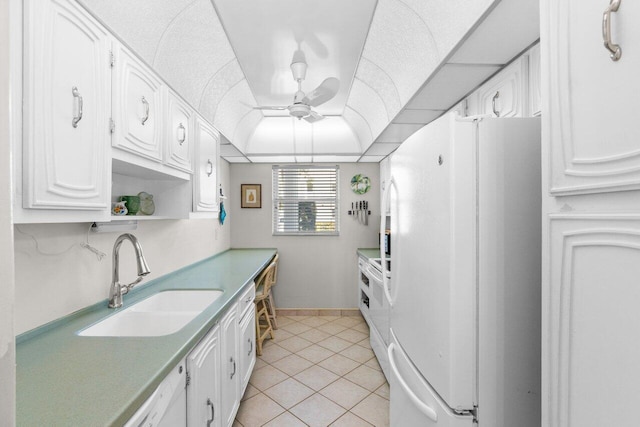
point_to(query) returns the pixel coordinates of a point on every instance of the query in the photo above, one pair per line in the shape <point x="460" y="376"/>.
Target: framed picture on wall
<point x="251" y="195"/>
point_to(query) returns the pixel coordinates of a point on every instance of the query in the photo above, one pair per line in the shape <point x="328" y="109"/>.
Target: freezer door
<point x="433" y="283"/>
<point x="413" y="402"/>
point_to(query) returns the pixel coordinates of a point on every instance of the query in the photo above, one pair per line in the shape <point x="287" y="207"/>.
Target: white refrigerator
<point x="465" y="290"/>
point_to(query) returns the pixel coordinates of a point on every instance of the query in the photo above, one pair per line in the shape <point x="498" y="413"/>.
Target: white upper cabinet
<point x="206" y="167"/>
<point x="179" y="133"/>
<point x="535" y="86"/>
<point x="66" y="162"/>
<point x="137" y="106"/>
<point x="505" y="94"/>
<point x="595" y="140"/>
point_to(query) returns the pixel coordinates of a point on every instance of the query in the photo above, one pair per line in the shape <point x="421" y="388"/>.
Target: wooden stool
<point x="271" y="306"/>
<point x="263" y="322"/>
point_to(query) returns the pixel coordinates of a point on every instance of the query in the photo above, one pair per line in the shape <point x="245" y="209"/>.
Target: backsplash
<point x="55" y="276"/>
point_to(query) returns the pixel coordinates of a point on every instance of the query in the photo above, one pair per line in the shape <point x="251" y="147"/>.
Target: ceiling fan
<point x="301" y="106"/>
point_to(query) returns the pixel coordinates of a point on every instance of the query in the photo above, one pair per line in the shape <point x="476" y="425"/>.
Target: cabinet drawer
<point x="245" y="302"/>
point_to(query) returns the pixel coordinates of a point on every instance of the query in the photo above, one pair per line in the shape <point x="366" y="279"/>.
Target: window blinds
<point x="305" y="200"/>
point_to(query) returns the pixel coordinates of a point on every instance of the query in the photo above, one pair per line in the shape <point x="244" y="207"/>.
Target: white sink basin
<point x="161" y="314"/>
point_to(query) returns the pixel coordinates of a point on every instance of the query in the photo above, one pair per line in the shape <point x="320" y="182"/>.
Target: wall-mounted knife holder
<point x="360" y="210"/>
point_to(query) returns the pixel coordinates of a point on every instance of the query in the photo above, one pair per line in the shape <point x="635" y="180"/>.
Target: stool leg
<point x="272" y="311"/>
<point x="258" y="337"/>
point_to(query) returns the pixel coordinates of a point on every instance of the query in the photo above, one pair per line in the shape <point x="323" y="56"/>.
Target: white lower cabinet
<point x="229" y="367"/>
<point x="247" y="347"/>
<point x="203" y="388"/>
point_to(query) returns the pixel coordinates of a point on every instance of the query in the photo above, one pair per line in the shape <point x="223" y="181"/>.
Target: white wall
<point x="58" y="277"/>
<point x="7" y="342"/>
<point x="314" y="271"/>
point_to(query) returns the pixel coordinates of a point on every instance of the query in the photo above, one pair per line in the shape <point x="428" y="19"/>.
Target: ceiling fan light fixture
<point x="299" y="110"/>
<point x="299" y="70"/>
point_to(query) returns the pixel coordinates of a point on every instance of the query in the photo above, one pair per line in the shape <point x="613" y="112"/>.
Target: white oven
<point x="378" y="312"/>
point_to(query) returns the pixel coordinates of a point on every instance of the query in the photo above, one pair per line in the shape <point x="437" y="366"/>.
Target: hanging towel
<point x="223" y="213"/>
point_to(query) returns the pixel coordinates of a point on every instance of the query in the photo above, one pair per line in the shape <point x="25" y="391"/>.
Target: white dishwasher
<point x="167" y="406"/>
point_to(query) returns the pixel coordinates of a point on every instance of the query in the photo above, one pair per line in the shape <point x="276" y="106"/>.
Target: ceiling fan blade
<point x="323" y="93"/>
<point x="270" y="108"/>
<point x="313" y="117"/>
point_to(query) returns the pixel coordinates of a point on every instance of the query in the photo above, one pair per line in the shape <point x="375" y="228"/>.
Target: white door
<point x="205" y="184"/>
<point x="67" y="102"/>
<point x="591" y="214"/>
<point x="137" y="106"/>
<point x="179" y="134"/>
<point x="433" y="217"/>
<point x="203" y="391"/>
<point x="415" y="403"/>
<point x="229" y="367"/>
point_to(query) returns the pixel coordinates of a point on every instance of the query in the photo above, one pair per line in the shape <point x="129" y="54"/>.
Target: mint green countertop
<point x="369" y="252"/>
<point x="67" y="380"/>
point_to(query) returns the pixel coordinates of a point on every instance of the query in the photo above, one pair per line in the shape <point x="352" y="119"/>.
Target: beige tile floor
<point x="318" y="371"/>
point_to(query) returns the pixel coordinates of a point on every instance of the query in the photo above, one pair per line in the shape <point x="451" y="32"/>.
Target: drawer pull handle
<point x="79" y="102"/>
<point x="614" y="49"/>
<point x="493" y="103"/>
<point x="210" y="171"/>
<point x="250" y="347"/>
<point x="234" y="367"/>
<point x="213" y="411"/>
<point x="146" y="110"/>
<point x="182" y="134"/>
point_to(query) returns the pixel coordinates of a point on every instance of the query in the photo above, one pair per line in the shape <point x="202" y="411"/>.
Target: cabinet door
<point x="229" y="367"/>
<point x="247" y="348"/>
<point x="505" y="94"/>
<point x="206" y="180"/>
<point x="66" y="108"/>
<point x="595" y="137"/>
<point x="137" y="104"/>
<point x="592" y="317"/>
<point x="535" y="86"/>
<point x="203" y="391"/>
<point x="179" y="134"/>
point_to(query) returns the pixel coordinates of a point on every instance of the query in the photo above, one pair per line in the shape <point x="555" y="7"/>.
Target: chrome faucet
<point x="117" y="290"/>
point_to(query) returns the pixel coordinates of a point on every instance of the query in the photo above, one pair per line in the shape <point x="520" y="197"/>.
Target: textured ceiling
<point x="185" y="42"/>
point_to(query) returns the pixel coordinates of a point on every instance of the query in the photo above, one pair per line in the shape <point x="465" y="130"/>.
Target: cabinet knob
<point x="614" y="49"/>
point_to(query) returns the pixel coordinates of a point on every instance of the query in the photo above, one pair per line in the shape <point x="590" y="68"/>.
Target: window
<point x="305" y="200"/>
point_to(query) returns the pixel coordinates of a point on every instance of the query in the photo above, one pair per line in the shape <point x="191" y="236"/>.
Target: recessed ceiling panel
<point x="265" y="35"/>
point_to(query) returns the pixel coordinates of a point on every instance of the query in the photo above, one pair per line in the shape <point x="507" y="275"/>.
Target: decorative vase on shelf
<point x="147" y="207"/>
<point x="120" y="208"/>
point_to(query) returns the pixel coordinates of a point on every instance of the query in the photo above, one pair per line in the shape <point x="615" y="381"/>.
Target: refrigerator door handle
<point x="424" y="408"/>
<point x="383" y="255"/>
